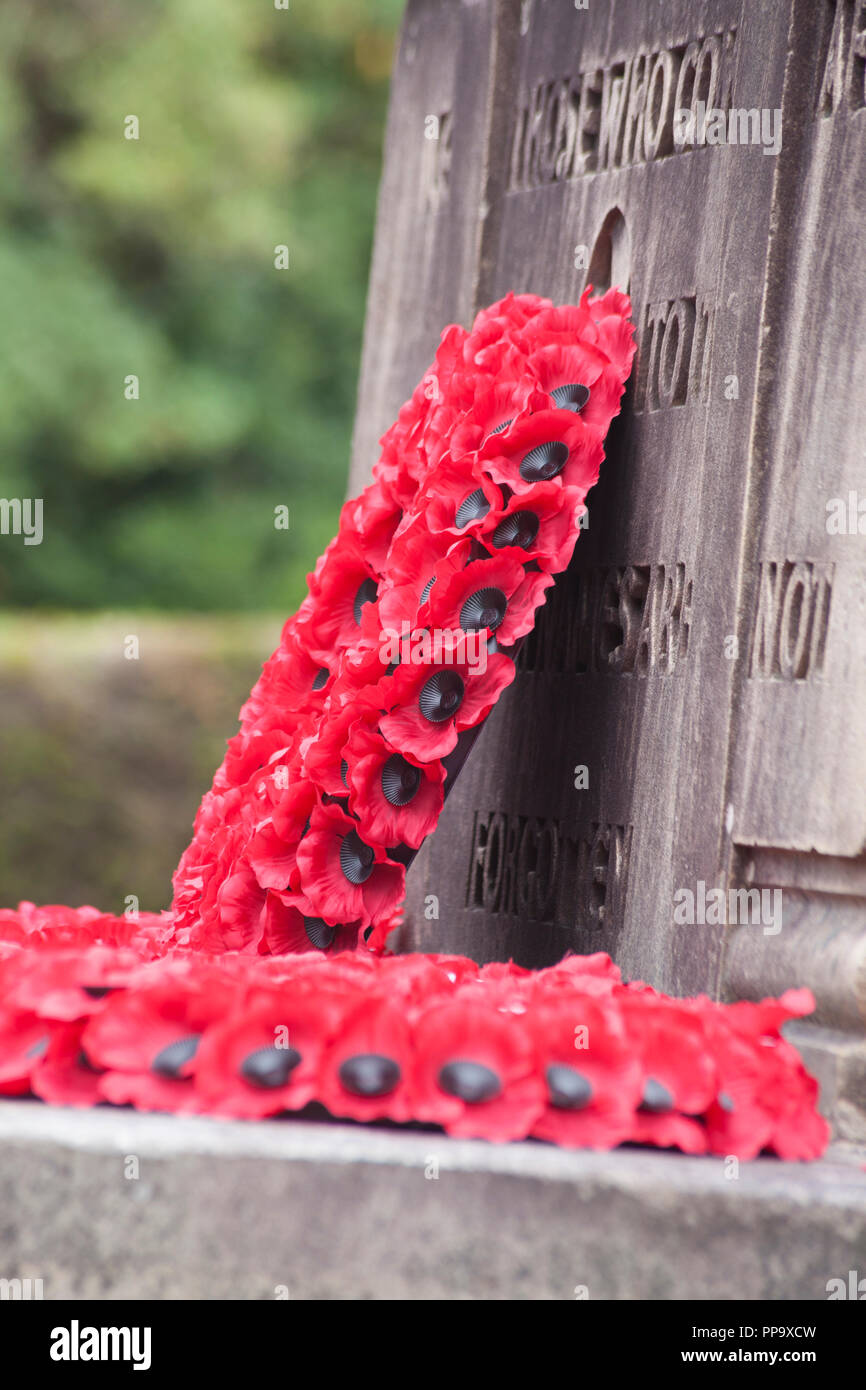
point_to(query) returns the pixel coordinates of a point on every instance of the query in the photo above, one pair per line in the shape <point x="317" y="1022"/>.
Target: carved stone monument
<point x="678" y="775"/>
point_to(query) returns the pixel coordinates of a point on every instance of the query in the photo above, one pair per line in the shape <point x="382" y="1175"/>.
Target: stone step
<point x="108" y="1204"/>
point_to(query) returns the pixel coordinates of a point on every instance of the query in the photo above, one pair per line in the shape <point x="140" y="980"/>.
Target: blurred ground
<point x="103" y="760"/>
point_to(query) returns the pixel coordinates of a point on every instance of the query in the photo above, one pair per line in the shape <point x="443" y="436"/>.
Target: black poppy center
<point x="321" y="678"/>
<point x="356" y="858"/>
<point x="400" y="780"/>
<point x="472" y="508"/>
<point x="573" y="396"/>
<point x="567" y="1087"/>
<point x="366" y="594"/>
<point x="485" y="608"/>
<point x="319" y="933"/>
<point x="441" y="696"/>
<point x="369" y="1074"/>
<point x="169" y="1060"/>
<point x="544" y="461"/>
<point x="656" y="1099"/>
<point x="519" y="529"/>
<point x="269" y="1067"/>
<point x="469" y="1081"/>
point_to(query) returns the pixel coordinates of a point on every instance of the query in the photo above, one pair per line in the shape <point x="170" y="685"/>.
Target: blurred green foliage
<point x="258" y="127"/>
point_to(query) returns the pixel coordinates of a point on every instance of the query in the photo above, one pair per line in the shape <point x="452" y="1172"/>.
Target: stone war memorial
<point x="677" y="775"/>
<point x="690" y="713"/>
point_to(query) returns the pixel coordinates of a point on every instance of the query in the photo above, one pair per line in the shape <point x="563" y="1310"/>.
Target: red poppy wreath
<point x="268" y="984"/>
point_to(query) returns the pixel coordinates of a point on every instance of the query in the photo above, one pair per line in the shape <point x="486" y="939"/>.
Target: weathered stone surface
<point x="704" y="657"/>
<point x="223" y="1210"/>
<point x="798" y="741"/>
<point x="629" y="662"/>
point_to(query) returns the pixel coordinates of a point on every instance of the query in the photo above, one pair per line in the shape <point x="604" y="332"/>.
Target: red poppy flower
<point x="64" y="1074"/>
<point x="417" y="980"/>
<point x="249" y="753"/>
<point x="345" y="879"/>
<point x="361" y="666"/>
<point x="595" y="974"/>
<point x="402" y="466"/>
<point x="799" y="1131"/>
<point x="365" y="1072"/>
<point x="560" y="323"/>
<point x="403" y="454"/>
<point x="403" y="462"/>
<point x="594" y="1079"/>
<point x="371" y="519"/>
<point x="766" y="1099"/>
<point x="496" y="595"/>
<point x="147" y="1039"/>
<point x="67" y="984"/>
<point x="382" y="935"/>
<point x="270" y="851"/>
<point x="24" y="1038"/>
<point x="504" y="970"/>
<point x="456" y="496"/>
<point x="292" y="681"/>
<point x="424" y="558"/>
<point x="679" y="1077"/>
<point x="347" y="581"/>
<point x="580" y="378"/>
<point x="503" y="323"/>
<point x="513" y="311"/>
<point x="266" y="1056"/>
<point x="324" y="758"/>
<point x="542" y="524"/>
<point x="550" y="444"/>
<point x="765" y="1017"/>
<point x="272" y="858"/>
<point x="611" y="317"/>
<point x="458" y="970"/>
<point x="292" y="926"/>
<point x="496" y="405"/>
<point x="240" y="901"/>
<point x="474" y="1071"/>
<point x="612" y="302"/>
<point x="396" y="799"/>
<point x="56" y="926"/>
<point x="429" y="704"/>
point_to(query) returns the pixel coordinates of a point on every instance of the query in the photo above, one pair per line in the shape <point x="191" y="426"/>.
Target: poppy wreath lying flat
<point x="98" y="1008"/>
<point x="267" y="986"/>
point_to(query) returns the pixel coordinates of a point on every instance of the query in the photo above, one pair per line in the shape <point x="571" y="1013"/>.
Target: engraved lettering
<point x="532" y="868"/>
<point x="675" y="345"/>
<point x="624" y="114"/>
<point x="843" y="81"/>
<point x="791" y="620"/>
<point x="622" y="620"/>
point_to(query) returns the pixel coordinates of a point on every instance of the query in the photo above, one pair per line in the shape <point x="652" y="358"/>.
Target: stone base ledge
<point x="227" y="1210"/>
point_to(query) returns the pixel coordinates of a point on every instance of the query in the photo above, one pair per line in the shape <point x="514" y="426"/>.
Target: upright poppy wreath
<point x="268" y="984"/>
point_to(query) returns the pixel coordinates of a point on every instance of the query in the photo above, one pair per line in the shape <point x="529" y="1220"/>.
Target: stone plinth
<point x="226" y="1210"/>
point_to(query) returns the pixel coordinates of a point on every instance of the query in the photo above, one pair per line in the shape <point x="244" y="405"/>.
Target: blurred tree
<point x="155" y="258"/>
